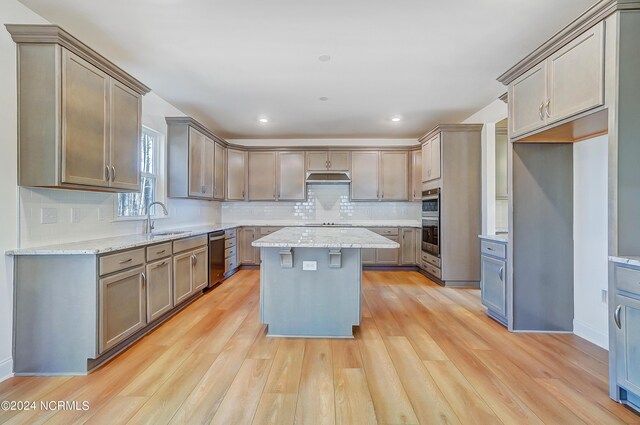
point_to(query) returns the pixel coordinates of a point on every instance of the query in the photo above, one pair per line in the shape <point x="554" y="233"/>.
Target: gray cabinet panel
<point x="527" y="96"/>
<point x="159" y="288"/>
<point x="249" y="255"/>
<point x="436" y="158"/>
<point x="502" y="145"/>
<point x="220" y="157"/>
<point x="236" y="166"/>
<point x="84" y="122"/>
<point x="262" y="176"/>
<point x="208" y="168"/>
<point x="426" y="160"/>
<point x="627" y="315"/>
<point x="124" y="135"/>
<point x="394" y="181"/>
<point x="368" y="256"/>
<point x="339" y="161"/>
<point x="122" y="307"/>
<point x="408" y="247"/>
<point x="416" y="175"/>
<point x="200" y="269"/>
<point x="388" y="257"/>
<point x="196" y="163"/>
<point x="492" y="284"/>
<point x="317" y="160"/>
<point x="291" y="177"/>
<point x="182" y="270"/>
<point x="364" y="176"/>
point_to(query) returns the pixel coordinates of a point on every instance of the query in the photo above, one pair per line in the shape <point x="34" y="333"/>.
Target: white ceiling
<point x="227" y="63"/>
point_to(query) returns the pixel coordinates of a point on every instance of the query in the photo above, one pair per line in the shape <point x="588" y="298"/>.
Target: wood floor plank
<point x="276" y="409"/>
<point x="118" y="410"/>
<point x="346" y="354"/>
<point x="287" y="367"/>
<point x="315" y="403"/>
<point x="354" y="405"/>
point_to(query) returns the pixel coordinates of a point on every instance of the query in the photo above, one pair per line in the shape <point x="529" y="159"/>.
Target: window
<point x="135" y="204"/>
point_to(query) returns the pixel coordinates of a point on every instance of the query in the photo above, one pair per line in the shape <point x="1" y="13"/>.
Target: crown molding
<point x="504" y="97"/>
<point x="53" y="34"/>
<point x="459" y="128"/>
<point x="588" y="19"/>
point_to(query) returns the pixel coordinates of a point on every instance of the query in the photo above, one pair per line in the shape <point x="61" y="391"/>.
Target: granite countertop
<point x="324" y="237"/>
<point x="500" y="237"/>
<point x="631" y="261"/>
<point x="118" y="243"/>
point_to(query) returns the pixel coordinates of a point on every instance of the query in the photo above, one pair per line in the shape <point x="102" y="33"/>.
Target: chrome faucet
<point x="149" y="225"/>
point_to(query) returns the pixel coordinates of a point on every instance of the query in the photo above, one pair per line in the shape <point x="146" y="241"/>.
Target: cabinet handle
<point x="243" y="194"/>
<point x="329" y="164"/>
<point x="144" y="279"/>
<point x="501" y="273"/>
<point x="160" y="265"/>
<point x="382" y="196"/>
<point x="540" y="112"/>
<point x="326" y="164"/>
<point x="548" y="111"/>
<point x="161" y="252"/>
<point x="107" y="173"/>
<point x="113" y="173"/>
<point x="616" y="316"/>
<point x="126" y="261"/>
<point x="490" y="249"/>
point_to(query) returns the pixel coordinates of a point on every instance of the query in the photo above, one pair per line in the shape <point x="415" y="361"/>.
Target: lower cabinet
<point x="493" y="288"/>
<point x="249" y="255"/>
<point x="408" y="247"/>
<point x="388" y="257"/>
<point x="159" y="288"/>
<point x="122" y="306"/>
<point x="189" y="274"/>
<point x="627" y="347"/>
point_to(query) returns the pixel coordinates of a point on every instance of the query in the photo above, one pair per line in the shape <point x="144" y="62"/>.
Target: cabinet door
<point x="408" y="246"/>
<point x="436" y="155"/>
<point x="200" y="268"/>
<point x="236" y="161"/>
<point x="426" y="160"/>
<point x="368" y="256"/>
<point x="262" y="176"/>
<point x="502" y="145"/>
<point x="247" y="252"/>
<point x="122" y="307"/>
<point x="416" y="175"/>
<point x="364" y="176"/>
<point x="628" y="343"/>
<point x="196" y="163"/>
<point x="220" y="157"/>
<point x="182" y="270"/>
<point x="527" y="96"/>
<point x="84" y="122"/>
<point x="291" y="177"/>
<point x="417" y="234"/>
<point x="394" y="181"/>
<point x="124" y="135"/>
<point x="576" y="76"/>
<point x="159" y="289"/>
<point x="388" y="257"/>
<point x="208" y="168"/>
<point x="339" y="161"/>
<point x="317" y="161"/>
<point x="492" y="284"/>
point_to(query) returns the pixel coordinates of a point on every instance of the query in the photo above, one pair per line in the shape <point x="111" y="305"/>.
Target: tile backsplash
<point x="325" y="203"/>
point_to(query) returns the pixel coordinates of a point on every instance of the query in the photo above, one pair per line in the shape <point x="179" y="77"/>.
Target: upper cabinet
<point x="380" y="175"/>
<point x="236" y="167"/>
<point x="328" y="160"/>
<point x="291" y="178"/>
<point x="262" y="176"/>
<point x="196" y="161"/>
<point x="79" y="114"/>
<point x="567" y="83"/>
<point x="431" y="159"/>
<point x="277" y="176"/>
<point x="416" y="175"/>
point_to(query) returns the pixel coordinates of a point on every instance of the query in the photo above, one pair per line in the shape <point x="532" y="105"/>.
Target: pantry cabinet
<point x="79" y="120"/>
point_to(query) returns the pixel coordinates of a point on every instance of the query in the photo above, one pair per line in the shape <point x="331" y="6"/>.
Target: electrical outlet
<point x="310" y="265"/>
<point x="74" y="215"/>
<point x="48" y="215"/>
<point x="605" y="296"/>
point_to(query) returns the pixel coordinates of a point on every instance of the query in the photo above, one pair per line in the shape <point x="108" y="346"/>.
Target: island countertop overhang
<point x="322" y="237"/>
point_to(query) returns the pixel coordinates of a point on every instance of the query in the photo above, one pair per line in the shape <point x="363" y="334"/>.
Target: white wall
<point x="10" y="12"/>
<point x="590" y="239"/>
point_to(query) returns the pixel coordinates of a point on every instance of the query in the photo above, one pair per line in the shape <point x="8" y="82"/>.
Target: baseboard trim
<point x="6" y="369"/>
<point x="587" y="332"/>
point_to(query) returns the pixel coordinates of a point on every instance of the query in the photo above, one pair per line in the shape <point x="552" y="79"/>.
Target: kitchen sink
<point x="168" y="233"/>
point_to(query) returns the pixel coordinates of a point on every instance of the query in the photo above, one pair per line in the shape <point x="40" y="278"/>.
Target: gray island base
<point x="311" y="280"/>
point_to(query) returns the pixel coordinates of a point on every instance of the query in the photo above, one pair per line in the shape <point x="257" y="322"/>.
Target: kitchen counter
<point x="324" y="237"/>
<point x="500" y="237"/>
<point x="118" y="243"/>
<point x="631" y="261"/>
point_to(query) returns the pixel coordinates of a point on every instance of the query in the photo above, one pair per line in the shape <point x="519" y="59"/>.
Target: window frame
<point x="158" y="159"/>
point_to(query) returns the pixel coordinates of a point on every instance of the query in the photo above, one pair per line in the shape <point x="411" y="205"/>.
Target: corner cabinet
<point x="79" y="120"/>
<point x="380" y="176"/>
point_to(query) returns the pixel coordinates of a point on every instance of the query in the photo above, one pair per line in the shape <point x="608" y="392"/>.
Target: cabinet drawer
<point x="231" y="233"/>
<point x="230" y="264"/>
<point x="121" y="261"/>
<point x="385" y="231"/>
<point x="230" y="252"/>
<point x="430" y="259"/>
<point x="433" y="271"/>
<point x="494" y="249"/>
<point x="189" y="243"/>
<point x="157" y="252"/>
<point x="627" y="279"/>
<point x="228" y="243"/>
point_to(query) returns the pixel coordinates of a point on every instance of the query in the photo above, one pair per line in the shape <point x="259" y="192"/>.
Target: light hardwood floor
<point x="423" y="354"/>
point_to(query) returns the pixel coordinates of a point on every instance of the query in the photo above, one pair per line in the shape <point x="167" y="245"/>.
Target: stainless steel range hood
<point x="328" y="178"/>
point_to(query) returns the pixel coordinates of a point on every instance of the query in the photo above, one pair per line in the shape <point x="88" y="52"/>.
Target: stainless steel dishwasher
<point x="216" y="257"/>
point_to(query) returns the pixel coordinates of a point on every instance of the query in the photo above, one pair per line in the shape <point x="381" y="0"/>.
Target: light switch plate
<point x="48" y="215"/>
<point x="605" y="296"/>
<point x="310" y="265"/>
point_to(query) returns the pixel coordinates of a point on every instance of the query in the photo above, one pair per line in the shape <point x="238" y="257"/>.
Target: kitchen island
<point x="310" y="280"/>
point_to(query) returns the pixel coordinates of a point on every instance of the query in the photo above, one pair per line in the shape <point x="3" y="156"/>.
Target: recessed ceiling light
<point x="263" y="120"/>
<point x="324" y="58"/>
<point x="323" y="98"/>
<point x="395" y="119"/>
